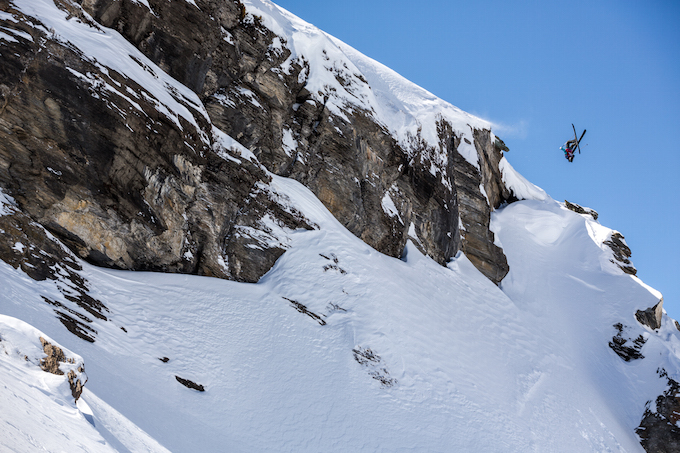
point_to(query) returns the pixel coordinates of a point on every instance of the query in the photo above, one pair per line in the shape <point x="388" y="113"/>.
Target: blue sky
<point x="534" y="68"/>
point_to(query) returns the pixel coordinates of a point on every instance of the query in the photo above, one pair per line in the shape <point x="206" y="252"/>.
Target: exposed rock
<point x="622" y="253"/>
<point x="54" y="358"/>
<point x="77" y="323"/>
<point x="163" y="201"/>
<point x="25" y="244"/>
<point x="374" y="363"/>
<point x="490" y="156"/>
<point x="30" y="346"/>
<point x="581" y="210"/>
<point x="75" y="383"/>
<point x="475" y="208"/>
<point x="54" y="355"/>
<point x="350" y="166"/>
<point x="659" y="430"/>
<point x="625" y="346"/>
<point x="651" y="317"/>
<point x="304" y="310"/>
<point x="334" y="265"/>
<point x="190" y="384"/>
<point x="500" y="145"/>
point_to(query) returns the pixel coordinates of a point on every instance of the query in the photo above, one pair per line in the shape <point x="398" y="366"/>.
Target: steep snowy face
<point x="150" y="146"/>
<point x="339" y="347"/>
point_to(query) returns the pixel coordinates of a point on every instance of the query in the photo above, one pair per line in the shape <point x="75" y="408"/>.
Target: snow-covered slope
<point x="340" y="348"/>
<point x="38" y="410"/>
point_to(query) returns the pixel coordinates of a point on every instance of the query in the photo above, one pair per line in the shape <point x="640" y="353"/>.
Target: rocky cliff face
<point x="124" y="181"/>
<point x="132" y="178"/>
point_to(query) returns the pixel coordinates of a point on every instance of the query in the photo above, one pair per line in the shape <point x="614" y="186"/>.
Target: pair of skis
<point x="578" y="140"/>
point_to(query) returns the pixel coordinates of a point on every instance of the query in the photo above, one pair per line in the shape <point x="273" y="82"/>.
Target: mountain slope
<point x="387" y="280"/>
<point x="454" y="361"/>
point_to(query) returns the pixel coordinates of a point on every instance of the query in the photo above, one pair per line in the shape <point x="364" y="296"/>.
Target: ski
<point x="578" y="140"/>
<point x="578" y="143"/>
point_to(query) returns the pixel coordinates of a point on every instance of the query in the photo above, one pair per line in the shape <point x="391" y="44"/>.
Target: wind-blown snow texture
<point x="463" y="364"/>
<point x="338" y="347"/>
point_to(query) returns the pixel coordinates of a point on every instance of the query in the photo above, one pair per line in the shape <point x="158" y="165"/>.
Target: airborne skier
<point x="571" y="146"/>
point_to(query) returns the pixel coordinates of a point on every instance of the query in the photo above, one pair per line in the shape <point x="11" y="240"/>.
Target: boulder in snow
<point x="651" y="317"/>
<point x="581" y="210"/>
<point x="625" y="346"/>
<point x="21" y="340"/>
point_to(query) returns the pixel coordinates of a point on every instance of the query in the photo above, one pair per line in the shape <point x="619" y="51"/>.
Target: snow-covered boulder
<point x="20" y="341"/>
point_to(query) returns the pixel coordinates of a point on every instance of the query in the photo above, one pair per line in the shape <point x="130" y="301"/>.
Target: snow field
<point x="468" y="366"/>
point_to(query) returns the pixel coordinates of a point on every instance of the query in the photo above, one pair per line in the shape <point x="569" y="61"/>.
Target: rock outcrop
<point x="658" y="430"/>
<point x="54" y="358"/>
<point x="651" y="317"/>
<point x="24" y="343"/>
<point x="133" y="178"/>
<point x="105" y="166"/>
<point x="190" y="384"/>
<point x="622" y="253"/>
<point x="475" y="205"/>
<point x="581" y="210"/>
<point x="624" y="345"/>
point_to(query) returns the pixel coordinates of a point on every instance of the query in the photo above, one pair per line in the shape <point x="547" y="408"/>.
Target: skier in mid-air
<point x="571" y="146"/>
<point x="568" y="149"/>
